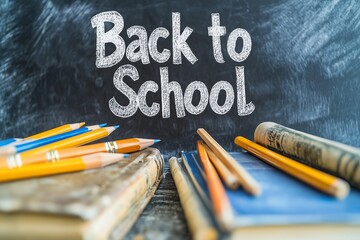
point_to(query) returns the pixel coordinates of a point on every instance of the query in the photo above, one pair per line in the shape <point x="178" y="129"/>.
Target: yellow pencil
<point x="16" y="160"/>
<point x="92" y="161"/>
<point x="315" y="178"/>
<point x="249" y="184"/>
<point x="55" y="131"/>
<point x="119" y="146"/>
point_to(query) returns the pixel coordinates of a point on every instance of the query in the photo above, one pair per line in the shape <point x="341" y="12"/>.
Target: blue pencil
<point x="8" y="141"/>
<point x="21" y="147"/>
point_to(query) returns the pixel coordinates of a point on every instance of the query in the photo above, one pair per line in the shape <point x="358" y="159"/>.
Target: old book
<point x="330" y="156"/>
<point x="95" y="204"/>
<point x="287" y="209"/>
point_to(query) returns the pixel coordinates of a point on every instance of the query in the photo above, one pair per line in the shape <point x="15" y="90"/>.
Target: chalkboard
<point x="303" y="69"/>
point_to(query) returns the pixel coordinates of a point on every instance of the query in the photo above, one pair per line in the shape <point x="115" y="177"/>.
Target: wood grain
<point x="164" y="217"/>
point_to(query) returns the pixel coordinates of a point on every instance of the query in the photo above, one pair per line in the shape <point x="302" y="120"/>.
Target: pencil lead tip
<point x="126" y="155"/>
<point x="102" y="124"/>
<point x="157" y="140"/>
<point x="116" y="126"/>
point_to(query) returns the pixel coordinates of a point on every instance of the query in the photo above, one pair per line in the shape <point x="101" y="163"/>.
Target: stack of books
<point x="285" y="185"/>
<point x="54" y="188"/>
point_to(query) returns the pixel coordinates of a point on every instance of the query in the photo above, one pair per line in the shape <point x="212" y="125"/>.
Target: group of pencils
<point x="60" y="150"/>
<point x="221" y="168"/>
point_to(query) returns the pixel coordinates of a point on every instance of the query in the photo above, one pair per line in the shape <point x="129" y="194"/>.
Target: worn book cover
<point x="95" y="204"/>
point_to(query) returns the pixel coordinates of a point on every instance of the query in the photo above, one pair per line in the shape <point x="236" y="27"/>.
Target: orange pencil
<point x="92" y="161"/>
<point x="17" y="160"/>
<point x="218" y="196"/>
<point x="55" y="131"/>
<point x="225" y="174"/>
<point x="313" y="177"/>
<point x="119" y="146"/>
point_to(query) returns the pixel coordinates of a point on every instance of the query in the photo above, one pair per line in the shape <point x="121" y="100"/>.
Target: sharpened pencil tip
<point x="116" y="126"/>
<point x="102" y="124"/>
<point x="126" y="155"/>
<point x="75" y="126"/>
<point x="157" y="140"/>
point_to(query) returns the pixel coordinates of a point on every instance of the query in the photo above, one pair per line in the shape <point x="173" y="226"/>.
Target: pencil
<point x="119" y="146"/>
<point x="219" y="200"/>
<point x="54" y="131"/>
<point x="30" y="144"/>
<point x="9" y="140"/>
<point x="245" y="179"/>
<point x="92" y="161"/>
<point x="196" y="214"/>
<point x="315" y="178"/>
<point x="16" y="160"/>
<point x="228" y="177"/>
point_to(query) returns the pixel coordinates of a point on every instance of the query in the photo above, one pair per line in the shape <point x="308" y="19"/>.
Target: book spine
<point x="196" y="215"/>
<point x="335" y="158"/>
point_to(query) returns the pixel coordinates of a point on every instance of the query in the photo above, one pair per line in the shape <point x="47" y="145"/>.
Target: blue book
<point x="285" y="201"/>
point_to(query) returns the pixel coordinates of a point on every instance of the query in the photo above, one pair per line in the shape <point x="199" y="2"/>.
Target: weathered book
<point x="95" y="204"/>
<point x="287" y="209"/>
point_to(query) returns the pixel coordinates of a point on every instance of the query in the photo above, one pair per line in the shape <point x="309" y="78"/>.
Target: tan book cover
<point x="94" y="204"/>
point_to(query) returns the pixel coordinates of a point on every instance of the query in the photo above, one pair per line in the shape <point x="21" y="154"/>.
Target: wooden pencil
<point x="219" y="200"/>
<point x="16" y="160"/>
<point x="322" y="181"/>
<point x="226" y="175"/>
<point x="9" y="141"/>
<point x="30" y="144"/>
<point x="245" y="179"/>
<point x="196" y="214"/>
<point x="92" y="161"/>
<point x="55" y="131"/>
<point x="119" y="146"/>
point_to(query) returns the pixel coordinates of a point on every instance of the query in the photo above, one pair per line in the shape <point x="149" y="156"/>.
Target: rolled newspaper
<point x="333" y="157"/>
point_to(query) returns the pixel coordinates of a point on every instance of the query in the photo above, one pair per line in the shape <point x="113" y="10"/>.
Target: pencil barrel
<point x="335" y="158"/>
<point x="219" y="199"/>
<point x="70" y="142"/>
<point x="55" y="131"/>
<point x="198" y="218"/>
<point x="249" y="184"/>
<point x="313" y="177"/>
<point x="39" y="170"/>
<point x="226" y="175"/>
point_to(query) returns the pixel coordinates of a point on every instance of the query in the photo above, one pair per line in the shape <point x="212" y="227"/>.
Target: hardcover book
<point x="285" y="205"/>
<point x="94" y="204"/>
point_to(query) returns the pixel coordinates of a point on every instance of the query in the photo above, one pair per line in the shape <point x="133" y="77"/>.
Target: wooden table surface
<point x="163" y="218"/>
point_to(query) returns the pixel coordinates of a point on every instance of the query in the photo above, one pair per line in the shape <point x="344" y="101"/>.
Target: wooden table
<point x="163" y="218"/>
